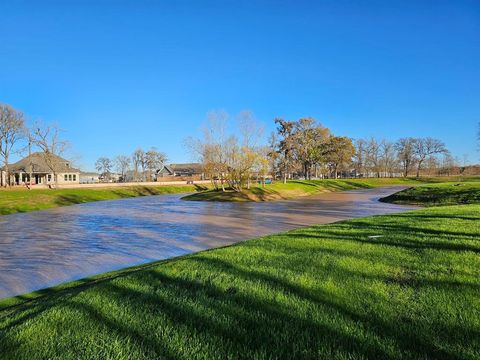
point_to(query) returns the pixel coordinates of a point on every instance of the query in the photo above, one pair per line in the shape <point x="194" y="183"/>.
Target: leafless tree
<point x="423" y="148"/>
<point x="139" y="164"/>
<point x="104" y="167"/>
<point x="388" y="157"/>
<point x="406" y="155"/>
<point x="359" y="157"/>
<point x="122" y="165"/>
<point x="373" y="156"/>
<point x="154" y="160"/>
<point x="47" y="138"/>
<point x="12" y="129"/>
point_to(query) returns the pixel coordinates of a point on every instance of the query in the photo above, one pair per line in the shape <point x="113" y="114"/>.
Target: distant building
<point x="184" y="170"/>
<point x="42" y="173"/>
<point x="89" y="178"/>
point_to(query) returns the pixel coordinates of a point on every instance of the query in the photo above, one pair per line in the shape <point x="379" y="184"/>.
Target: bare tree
<point x="104" y="167"/>
<point x="12" y="129"/>
<point x="138" y="160"/>
<point x="360" y="156"/>
<point x="47" y="138"/>
<point x="122" y="165"/>
<point x="406" y="155"/>
<point x="154" y="160"/>
<point x="424" y="148"/>
<point x="388" y="157"/>
<point x="373" y="159"/>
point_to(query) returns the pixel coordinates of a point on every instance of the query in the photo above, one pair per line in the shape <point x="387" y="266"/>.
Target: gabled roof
<point x="165" y="169"/>
<point x="188" y="167"/>
<point x="39" y="165"/>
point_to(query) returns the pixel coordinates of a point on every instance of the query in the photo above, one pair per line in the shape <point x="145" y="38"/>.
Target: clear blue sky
<point x="120" y="74"/>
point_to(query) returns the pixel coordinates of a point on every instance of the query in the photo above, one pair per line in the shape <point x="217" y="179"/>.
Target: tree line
<point x="142" y="165"/>
<point x="233" y="155"/>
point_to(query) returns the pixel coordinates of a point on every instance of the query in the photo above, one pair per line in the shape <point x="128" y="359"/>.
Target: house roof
<point x="189" y="167"/>
<point x="165" y="169"/>
<point x="39" y="165"/>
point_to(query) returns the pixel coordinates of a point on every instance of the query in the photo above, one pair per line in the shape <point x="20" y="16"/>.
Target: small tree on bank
<point x="12" y="129"/>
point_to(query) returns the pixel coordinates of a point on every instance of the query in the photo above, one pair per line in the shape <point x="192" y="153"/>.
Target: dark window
<point x="66" y="177"/>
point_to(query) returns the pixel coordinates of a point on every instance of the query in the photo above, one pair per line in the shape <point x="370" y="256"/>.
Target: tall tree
<point x="388" y="157"/>
<point x="47" y="138"/>
<point x="373" y="158"/>
<point x="338" y="153"/>
<point x="309" y="139"/>
<point x="12" y="129"/>
<point x="122" y="165"/>
<point x="406" y="155"/>
<point x="423" y="148"/>
<point x="285" y="130"/>
<point x="154" y="160"/>
<point x="104" y="167"/>
<point x="359" y="157"/>
<point x="139" y="160"/>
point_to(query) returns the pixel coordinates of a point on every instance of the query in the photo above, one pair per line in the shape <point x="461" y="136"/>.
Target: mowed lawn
<point x="298" y="188"/>
<point x="22" y="200"/>
<point x="403" y="286"/>
<point x="439" y="194"/>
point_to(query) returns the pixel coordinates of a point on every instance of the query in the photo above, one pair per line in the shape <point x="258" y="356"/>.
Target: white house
<point x="45" y="170"/>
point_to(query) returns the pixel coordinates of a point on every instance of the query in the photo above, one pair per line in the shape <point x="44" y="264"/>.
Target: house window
<point x="66" y="177"/>
<point x="49" y="177"/>
<point x="74" y="177"/>
<point x="69" y="177"/>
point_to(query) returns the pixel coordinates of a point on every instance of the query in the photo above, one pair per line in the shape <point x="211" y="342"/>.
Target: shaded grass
<point x="438" y="194"/>
<point x="298" y="188"/>
<point x="15" y="201"/>
<point x="330" y="291"/>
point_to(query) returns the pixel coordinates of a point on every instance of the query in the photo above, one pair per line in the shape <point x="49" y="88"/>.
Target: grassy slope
<point x="330" y="291"/>
<point x="438" y="194"/>
<point x="297" y="188"/>
<point x="14" y="201"/>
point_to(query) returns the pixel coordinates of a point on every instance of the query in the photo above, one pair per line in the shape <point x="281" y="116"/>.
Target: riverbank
<point x="396" y="286"/>
<point x="23" y="200"/>
<point x="438" y="194"/>
<point x="298" y="188"/>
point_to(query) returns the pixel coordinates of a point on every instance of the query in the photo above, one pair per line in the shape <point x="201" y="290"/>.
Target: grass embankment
<point x="23" y="200"/>
<point x="438" y="194"/>
<point x="298" y="188"/>
<point x="398" y="287"/>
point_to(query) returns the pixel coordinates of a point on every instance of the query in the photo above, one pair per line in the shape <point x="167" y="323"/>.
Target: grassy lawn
<point x="23" y="200"/>
<point x="298" y="188"/>
<point x="398" y="287"/>
<point x="439" y="194"/>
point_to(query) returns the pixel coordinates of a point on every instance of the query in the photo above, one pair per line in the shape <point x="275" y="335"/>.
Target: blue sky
<point x="121" y="74"/>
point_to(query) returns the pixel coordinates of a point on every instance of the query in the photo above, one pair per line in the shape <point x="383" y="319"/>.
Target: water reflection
<point x="42" y="249"/>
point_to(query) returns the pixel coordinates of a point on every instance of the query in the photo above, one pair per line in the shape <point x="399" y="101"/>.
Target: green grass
<point x="438" y="194"/>
<point x="403" y="286"/>
<point x="15" y="201"/>
<point x="298" y="188"/>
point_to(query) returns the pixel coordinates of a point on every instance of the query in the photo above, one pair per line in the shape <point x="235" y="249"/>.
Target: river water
<point x="45" y="248"/>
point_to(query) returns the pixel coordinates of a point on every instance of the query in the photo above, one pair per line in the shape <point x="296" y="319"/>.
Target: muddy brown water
<point x="45" y="248"/>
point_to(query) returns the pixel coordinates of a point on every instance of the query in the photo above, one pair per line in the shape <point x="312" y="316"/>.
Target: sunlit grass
<point x="439" y="194"/>
<point x="15" y="201"/>
<point x="298" y="188"/>
<point x="398" y="287"/>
